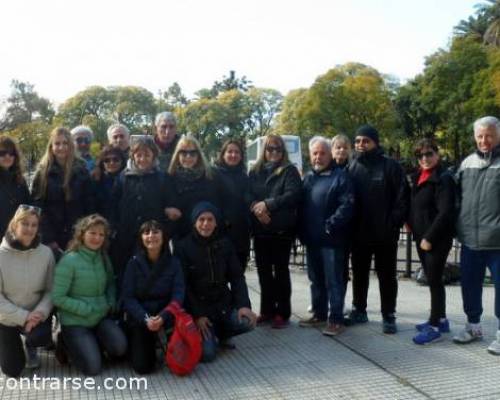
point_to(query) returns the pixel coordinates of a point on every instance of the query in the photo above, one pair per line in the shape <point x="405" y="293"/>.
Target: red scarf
<point x="425" y="174"/>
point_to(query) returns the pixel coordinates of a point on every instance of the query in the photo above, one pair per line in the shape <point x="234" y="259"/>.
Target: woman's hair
<point x="202" y="163"/>
<point x="149" y="225"/>
<point x="106" y="152"/>
<point x="143" y="143"/>
<point x="225" y="145"/>
<point x="83" y="225"/>
<point x="262" y="158"/>
<point x="48" y="160"/>
<point x="6" y="143"/>
<point x="425" y="143"/>
<point x="21" y="214"/>
<point x="343" y="139"/>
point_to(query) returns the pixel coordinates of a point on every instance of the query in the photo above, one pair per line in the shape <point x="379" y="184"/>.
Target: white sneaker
<point x="32" y="358"/>
<point x="494" y="347"/>
<point x="468" y="334"/>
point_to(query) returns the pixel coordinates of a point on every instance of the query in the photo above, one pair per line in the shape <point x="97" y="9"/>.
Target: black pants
<point x="12" y="357"/>
<point x="385" y="265"/>
<point x="433" y="263"/>
<point x="272" y="257"/>
<point x="142" y="349"/>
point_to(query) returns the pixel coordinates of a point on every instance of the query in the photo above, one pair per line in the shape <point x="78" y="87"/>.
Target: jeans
<point x="222" y="329"/>
<point x="385" y="265"/>
<point x="84" y="344"/>
<point x="473" y="265"/>
<point x="272" y="257"/>
<point x="326" y="271"/>
<point x="12" y="357"/>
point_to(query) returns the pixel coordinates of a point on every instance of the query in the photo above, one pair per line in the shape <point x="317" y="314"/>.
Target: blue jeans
<point x="326" y="271"/>
<point x="84" y="344"/>
<point x="473" y="265"/>
<point x="222" y="329"/>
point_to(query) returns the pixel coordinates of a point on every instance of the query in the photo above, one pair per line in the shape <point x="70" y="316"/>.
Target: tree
<point x="264" y="105"/>
<point x="173" y="98"/>
<point x="134" y="107"/>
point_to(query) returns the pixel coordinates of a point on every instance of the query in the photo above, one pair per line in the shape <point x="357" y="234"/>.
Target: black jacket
<point x="280" y="188"/>
<point x="143" y="295"/>
<point x="215" y="283"/>
<point x="12" y="194"/>
<point x="236" y="205"/>
<point x="103" y="194"/>
<point x="381" y="198"/>
<point x="58" y="215"/>
<point x="432" y="209"/>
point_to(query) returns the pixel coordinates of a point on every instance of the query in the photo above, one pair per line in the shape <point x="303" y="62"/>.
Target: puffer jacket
<point x="478" y="224"/>
<point x="25" y="282"/>
<point x="12" y="193"/>
<point x="84" y="288"/>
<point x="280" y="188"/>
<point x="381" y="198"/>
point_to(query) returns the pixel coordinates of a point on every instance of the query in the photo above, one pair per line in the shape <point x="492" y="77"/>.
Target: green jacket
<point x="84" y="288"/>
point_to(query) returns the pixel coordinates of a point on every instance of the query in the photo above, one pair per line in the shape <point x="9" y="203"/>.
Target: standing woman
<point x="26" y="272"/>
<point x="84" y="294"/>
<point x="13" y="188"/>
<point x="275" y="188"/>
<point x="193" y="181"/>
<point x="432" y="217"/>
<point x="341" y="150"/>
<point x="153" y="279"/>
<point x="62" y="189"/>
<point x="230" y="167"/>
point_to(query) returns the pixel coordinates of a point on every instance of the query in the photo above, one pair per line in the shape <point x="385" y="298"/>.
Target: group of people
<point x="103" y="247"/>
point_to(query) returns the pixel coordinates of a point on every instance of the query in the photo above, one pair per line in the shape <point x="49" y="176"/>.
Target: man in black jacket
<point x="381" y="206"/>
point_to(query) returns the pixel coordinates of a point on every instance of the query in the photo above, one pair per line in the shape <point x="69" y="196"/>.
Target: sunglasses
<point x="27" y="207"/>
<point x="4" y="153"/>
<point x="186" y="153"/>
<point x="274" y="149"/>
<point x="109" y="160"/>
<point x="83" y="140"/>
<point x="427" y="154"/>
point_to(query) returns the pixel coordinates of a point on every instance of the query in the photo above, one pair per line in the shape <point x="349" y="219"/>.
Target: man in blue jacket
<point x="327" y="208"/>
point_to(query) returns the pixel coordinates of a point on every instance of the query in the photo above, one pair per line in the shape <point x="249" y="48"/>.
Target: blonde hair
<point x="48" y="160"/>
<point x="20" y="215"/>
<point x="202" y="163"/>
<point x="83" y="225"/>
<point x="262" y="158"/>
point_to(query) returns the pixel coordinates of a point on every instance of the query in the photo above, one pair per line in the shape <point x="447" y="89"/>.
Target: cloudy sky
<point x="64" y="46"/>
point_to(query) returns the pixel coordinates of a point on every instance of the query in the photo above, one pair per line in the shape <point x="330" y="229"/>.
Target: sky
<point x="64" y="46"/>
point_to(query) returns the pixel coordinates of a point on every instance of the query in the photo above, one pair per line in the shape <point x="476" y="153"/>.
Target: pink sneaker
<point x="279" y="322"/>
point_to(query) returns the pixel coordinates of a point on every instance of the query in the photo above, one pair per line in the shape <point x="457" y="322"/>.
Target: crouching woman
<point x="26" y="272"/>
<point x="84" y="294"/>
<point x="216" y="290"/>
<point x="153" y="279"/>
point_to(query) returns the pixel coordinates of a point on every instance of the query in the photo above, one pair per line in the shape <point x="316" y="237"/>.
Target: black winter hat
<point x="205" y="206"/>
<point x="368" y="131"/>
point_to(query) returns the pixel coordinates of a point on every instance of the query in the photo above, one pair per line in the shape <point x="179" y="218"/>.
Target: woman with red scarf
<point x="431" y="220"/>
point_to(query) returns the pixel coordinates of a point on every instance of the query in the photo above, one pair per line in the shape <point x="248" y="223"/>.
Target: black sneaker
<point x="389" y="325"/>
<point x="356" y="317"/>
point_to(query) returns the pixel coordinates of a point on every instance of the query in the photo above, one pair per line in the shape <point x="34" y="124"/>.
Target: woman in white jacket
<point x="26" y="273"/>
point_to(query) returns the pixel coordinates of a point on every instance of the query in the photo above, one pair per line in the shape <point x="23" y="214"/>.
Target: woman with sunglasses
<point x="84" y="294"/>
<point x="62" y="189"/>
<point x="26" y="272"/>
<point x="193" y="181"/>
<point x="153" y="279"/>
<point x="109" y="164"/>
<point x="275" y="188"/>
<point x="13" y="188"/>
<point x="432" y="218"/>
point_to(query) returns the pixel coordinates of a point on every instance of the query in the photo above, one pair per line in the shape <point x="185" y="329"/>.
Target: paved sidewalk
<point x="300" y="363"/>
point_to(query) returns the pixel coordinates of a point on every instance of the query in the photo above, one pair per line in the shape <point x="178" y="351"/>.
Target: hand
<point x="249" y="314"/>
<point x="173" y="213"/>
<point x="155" y="323"/>
<point x="260" y="208"/>
<point x="425" y="245"/>
<point x="28" y="326"/>
<point x="264" y="219"/>
<point x="204" y="324"/>
<point x="35" y="317"/>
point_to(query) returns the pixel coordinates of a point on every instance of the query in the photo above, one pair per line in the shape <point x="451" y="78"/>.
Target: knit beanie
<point x="205" y="206"/>
<point x="368" y="131"/>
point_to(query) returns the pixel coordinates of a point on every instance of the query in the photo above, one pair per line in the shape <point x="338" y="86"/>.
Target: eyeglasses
<point x="4" y="153"/>
<point x="274" y="149"/>
<point x="27" y="207"/>
<point x="427" y="154"/>
<point x="186" y="153"/>
<point x="362" y="140"/>
<point x="109" y="160"/>
<point x="83" y="140"/>
<point x="165" y="126"/>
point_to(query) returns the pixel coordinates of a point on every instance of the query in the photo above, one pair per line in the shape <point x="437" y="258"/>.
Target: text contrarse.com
<point x="73" y="383"/>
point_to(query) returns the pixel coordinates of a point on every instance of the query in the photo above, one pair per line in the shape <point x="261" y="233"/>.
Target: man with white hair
<point x="326" y="211"/>
<point x="166" y="137"/>
<point x="478" y="227"/>
<point x="119" y="136"/>
<point x="82" y="136"/>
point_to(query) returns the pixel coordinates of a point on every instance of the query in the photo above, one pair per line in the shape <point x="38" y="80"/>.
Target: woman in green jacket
<point x="84" y="294"/>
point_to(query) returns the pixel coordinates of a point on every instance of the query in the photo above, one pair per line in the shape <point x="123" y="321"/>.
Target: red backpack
<point x="184" y="347"/>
